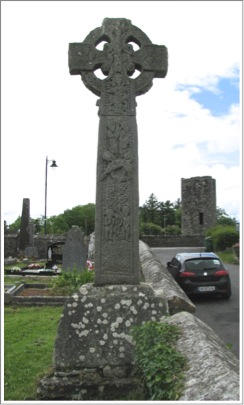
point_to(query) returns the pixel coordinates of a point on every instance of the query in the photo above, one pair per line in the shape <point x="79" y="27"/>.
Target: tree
<point x="57" y="225"/>
<point x="178" y="212"/>
<point x="223" y="218"/>
<point x="15" y="226"/>
<point x="166" y="213"/>
<point x="149" y="211"/>
<point x="83" y="216"/>
<point x="223" y="236"/>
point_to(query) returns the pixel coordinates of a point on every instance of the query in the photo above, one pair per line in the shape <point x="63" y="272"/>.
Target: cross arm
<point x="152" y="58"/>
<point x="84" y="57"/>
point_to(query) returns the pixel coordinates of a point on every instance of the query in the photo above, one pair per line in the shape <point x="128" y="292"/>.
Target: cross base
<point x="94" y="351"/>
<point x="90" y="386"/>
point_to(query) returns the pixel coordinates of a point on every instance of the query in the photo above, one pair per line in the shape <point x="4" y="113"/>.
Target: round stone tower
<point x="198" y="196"/>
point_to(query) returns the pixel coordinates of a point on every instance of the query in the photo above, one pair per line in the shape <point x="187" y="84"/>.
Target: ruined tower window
<point x="201" y="218"/>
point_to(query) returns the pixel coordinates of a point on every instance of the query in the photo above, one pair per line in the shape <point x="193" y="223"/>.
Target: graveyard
<point x="93" y="348"/>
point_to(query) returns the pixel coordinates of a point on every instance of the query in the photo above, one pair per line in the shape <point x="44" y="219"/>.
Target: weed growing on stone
<point x="158" y="362"/>
<point x="69" y="281"/>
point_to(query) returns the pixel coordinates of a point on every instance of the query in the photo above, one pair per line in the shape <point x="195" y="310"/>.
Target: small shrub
<point x="173" y="230"/>
<point x="158" y="362"/>
<point x="223" y="237"/>
<point x="69" y="281"/>
<point x="148" y="228"/>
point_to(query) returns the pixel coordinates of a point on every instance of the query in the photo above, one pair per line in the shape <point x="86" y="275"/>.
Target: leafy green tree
<point x="178" y="215"/>
<point x="82" y="216"/>
<point x="177" y="204"/>
<point x="223" y="218"/>
<point x="172" y="230"/>
<point x="166" y="213"/>
<point x="38" y="222"/>
<point x="15" y="226"/>
<point x="148" y="228"/>
<point x="57" y="225"/>
<point x="150" y="209"/>
<point x="223" y="236"/>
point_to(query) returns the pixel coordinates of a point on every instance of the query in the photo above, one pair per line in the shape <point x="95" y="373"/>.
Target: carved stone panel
<point x="117" y="235"/>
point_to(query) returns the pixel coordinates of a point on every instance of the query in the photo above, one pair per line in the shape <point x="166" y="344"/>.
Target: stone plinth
<point x="94" y="354"/>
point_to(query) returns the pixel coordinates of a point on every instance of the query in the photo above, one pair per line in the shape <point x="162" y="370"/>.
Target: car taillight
<point x="221" y="273"/>
<point x="187" y="274"/>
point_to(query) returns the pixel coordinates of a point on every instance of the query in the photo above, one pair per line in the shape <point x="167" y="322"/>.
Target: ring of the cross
<point x="121" y="51"/>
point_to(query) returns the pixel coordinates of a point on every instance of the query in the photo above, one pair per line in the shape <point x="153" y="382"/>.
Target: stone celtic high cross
<point x="117" y="200"/>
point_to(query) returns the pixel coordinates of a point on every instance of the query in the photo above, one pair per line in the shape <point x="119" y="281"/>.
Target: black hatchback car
<point x="200" y="273"/>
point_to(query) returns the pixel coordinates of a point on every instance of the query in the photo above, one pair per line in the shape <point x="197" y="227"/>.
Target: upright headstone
<point x="117" y="201"/>
<point x="31" y="249"/>
<point x="25" y="222"/>
<point x="74" y="250"/>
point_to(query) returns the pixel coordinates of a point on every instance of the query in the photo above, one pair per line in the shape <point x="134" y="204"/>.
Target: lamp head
<point x="54" y="164"/>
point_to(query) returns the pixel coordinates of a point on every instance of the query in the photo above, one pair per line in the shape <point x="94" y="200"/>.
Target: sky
<point x="189" y="123"/>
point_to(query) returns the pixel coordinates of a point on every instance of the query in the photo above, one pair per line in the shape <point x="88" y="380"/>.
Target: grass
<point x="27" y="280"/>
<point x="228" y="256"/>
<point x="29" y="335"/>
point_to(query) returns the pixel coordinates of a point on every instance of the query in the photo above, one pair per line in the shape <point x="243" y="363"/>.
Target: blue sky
<point x="189" y="123"/>
<point x="219" y="100"/>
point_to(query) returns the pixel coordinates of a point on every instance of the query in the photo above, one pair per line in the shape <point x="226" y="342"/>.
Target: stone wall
<point x="173" y="240"/>
<point x="163" y="284"/>
<point x="41" y="242"/>
<point x="10" y="245"/>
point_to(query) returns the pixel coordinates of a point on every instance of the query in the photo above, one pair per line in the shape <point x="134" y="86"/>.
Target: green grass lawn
<point x="29" y="335"/>
<point x="27" y="280"/>
<point x="228" y="257"/>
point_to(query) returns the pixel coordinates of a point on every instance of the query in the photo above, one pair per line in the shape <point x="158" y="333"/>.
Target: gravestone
<point x="25" y="222"/>
<point x="93" y="355"/>
<point x="55" y="254"/>
<point x="74" y="250"/>
<point x="31" y="250"/>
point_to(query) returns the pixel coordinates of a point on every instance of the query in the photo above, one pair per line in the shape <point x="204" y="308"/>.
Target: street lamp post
<point x="53" y="165"/>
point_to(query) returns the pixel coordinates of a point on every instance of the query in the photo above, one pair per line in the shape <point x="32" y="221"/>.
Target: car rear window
<point x="203" y="264"/>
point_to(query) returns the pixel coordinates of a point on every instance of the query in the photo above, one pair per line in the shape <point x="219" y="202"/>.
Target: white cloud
<point x="45" y="111"/>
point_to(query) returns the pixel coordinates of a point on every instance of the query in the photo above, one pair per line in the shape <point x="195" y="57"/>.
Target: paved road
<point x="221" y="315"/>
